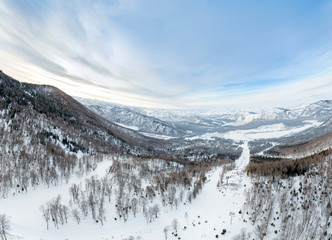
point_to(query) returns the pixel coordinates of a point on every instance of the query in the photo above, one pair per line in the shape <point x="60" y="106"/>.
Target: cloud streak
<point x="172" y="54"/>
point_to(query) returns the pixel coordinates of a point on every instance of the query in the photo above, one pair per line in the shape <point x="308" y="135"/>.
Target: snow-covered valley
<point x="204" y="218"/>
<point x="221" y="210"/>
<point x="262" y="132"/>
<point x="68" y="173"/>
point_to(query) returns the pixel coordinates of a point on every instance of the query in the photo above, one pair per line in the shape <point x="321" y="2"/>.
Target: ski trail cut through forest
<point x="244" y="159"/>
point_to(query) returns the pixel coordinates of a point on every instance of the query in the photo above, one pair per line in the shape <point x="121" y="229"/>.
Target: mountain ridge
<point x="174" y="119"/>
<point x="59" y="107"/>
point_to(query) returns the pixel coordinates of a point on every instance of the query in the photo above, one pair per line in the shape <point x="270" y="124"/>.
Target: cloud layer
<point x="172" y="54"/>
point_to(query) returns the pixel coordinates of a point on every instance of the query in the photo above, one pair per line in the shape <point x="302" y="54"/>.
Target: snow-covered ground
<point x="216" y="208"/>
<point x="129" y="127"/>
<point x="158" y="136"/>
<point x="262" y="132"/>
<point x="207" y="215"/>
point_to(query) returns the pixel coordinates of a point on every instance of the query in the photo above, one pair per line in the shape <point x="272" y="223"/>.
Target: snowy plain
<point x="157" y="136"/>
<point x="262" y="132"/>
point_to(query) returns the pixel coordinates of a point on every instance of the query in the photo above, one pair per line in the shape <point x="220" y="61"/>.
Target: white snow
<point x="129" y="127"/>
<point x="208" y="214"/>
<point x="244" y="159"/>
<point x="262" y="132"/>
<point x="158" y="136"/>
<point x="209" y="211"/>
<point x="236" y="124"/>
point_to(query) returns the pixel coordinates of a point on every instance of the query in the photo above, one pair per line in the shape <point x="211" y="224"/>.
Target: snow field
<point x="205" y="218"/>
<point x="208" y="214"/>
<point x="262" y="132"/>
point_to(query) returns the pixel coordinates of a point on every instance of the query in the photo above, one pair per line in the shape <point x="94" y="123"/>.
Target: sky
<point x="212" y="54"/>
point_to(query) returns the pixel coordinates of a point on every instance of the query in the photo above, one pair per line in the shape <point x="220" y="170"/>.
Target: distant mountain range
<point x="175" y="122"/>
<point x="39" y="116"/>
<point x="131" y="118"/>
<point x="320" y="110"/>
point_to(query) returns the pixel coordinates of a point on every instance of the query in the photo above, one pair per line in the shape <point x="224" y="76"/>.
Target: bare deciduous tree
<point x="4" y="226"/>
<point x="134" y="208"/>
<point x="175" y="225"/>
<point x="166" y="229"/>
<point x="76" y="215"/>
<point x="46" y="215"/>
<point x="156" y="210"/>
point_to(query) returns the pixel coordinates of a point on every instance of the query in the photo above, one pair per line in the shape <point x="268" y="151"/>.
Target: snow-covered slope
<point x="320" y="110"/>
<point x="21" y="102"/>
<point x="159" y="123"/>
<point x="131" y="118"/>
<point x="273" y="131"/>
<point x="54" y="185"/>
<point x="204" y="218"/>
<point x="231" y="205"/>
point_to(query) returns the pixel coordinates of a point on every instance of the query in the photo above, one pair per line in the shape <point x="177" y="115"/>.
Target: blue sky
<point x="173" y="54"/>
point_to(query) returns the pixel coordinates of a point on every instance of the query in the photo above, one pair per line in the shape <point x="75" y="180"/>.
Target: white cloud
<point x="83" y="50"/>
